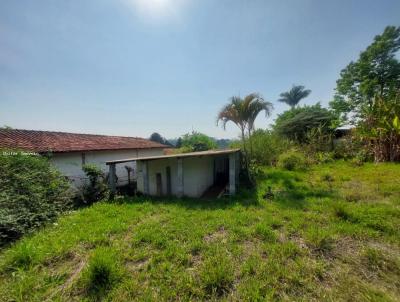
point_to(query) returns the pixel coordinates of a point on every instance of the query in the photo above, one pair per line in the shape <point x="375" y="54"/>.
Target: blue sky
<point x="132" y="67"/>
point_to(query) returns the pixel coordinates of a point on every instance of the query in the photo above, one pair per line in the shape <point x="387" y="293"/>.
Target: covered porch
<point x="196" y="174"/>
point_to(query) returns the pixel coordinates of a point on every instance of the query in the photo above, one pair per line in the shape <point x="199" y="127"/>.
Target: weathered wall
<point x="198" y="175"/>
<point x="70" y="164"/>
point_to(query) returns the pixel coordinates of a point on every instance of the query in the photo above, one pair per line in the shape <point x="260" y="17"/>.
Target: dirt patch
<point x="74" y="274"/>
<point x="220" y="235"/>
<point x="194" y="262"/>
<point x="136" y="266"/>
<point x="299" y="241"/>
<point x="79" y="265"/>
<point x="345" y="248"/>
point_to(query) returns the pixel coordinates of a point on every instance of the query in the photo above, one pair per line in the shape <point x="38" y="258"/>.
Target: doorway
<point x="221" y="171"/>
<point x="159" y="184"/>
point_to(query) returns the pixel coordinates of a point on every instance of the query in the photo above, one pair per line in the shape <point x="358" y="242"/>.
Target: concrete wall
<point x="198" y="175"/>
<point x="70" y="163"/>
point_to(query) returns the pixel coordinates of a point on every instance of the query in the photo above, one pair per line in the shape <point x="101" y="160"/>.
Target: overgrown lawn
<point x="330" y="233"/>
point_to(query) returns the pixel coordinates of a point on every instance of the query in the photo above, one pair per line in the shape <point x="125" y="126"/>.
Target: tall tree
<point x="243" y="112"/>
<point x="297" y="123"/>
<point x="376" y="73"/>
<point x="158" y="138"/>
<point x="294" y="95"/>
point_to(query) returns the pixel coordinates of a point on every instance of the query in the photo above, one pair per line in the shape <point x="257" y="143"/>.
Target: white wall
<point x="198" y="175"/>
<point x="70" y="163"/>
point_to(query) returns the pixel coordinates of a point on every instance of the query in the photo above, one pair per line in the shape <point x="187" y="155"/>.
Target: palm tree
<point x="234" y="112"/>
<point x="294" y="95"/>
<point x="254" y="104"/>
<point x="243" y="112"/>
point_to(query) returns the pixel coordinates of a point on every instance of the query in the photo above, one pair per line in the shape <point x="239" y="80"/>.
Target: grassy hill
<point x="329" y="233"/>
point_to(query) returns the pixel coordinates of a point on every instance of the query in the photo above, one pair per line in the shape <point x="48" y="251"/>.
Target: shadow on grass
<point x="245" y="197"/>
<point x="290" y="188"/>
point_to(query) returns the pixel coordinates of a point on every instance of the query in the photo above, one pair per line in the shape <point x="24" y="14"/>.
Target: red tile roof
<point x="45" y="141"/>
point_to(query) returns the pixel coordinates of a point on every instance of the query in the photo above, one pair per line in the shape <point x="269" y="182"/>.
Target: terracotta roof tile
<point x="45" y="141"/>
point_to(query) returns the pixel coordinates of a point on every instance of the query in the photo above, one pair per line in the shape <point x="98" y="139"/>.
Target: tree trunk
<point x="251" y="144"/>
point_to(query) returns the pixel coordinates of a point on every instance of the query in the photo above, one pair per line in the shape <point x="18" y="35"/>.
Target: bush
<point x="32" y="194"/>
<point x="324" y="157"/>
<point x="96" y="189"/>
<point x="265" y="147"/>
<point x="292" y="160"/>
<point x="195" y="141"/>
<point x="303" y="123"/>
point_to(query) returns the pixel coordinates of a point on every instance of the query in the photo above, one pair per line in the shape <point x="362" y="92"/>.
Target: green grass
<point x="328" y="234"/>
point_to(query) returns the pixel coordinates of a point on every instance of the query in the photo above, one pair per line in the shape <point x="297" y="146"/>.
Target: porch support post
<point x="111" y="179"/>
<point x="180" y="178"/>
<point x="145" y="173"/>
<point x="232" y="174"/>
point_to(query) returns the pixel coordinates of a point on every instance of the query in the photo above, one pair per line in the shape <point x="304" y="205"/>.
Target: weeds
<point x="217" y="273"/>
<point x="102" y="273"/>
<point x="305" y="244"/>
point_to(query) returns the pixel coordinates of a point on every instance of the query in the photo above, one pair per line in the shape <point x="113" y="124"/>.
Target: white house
<point x="70" y="151"/>
<point x="196" y="174"/>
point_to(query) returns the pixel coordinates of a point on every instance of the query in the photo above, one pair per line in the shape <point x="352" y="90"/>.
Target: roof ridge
<point x="74" y="133"/>
<point x="57" y="141"/>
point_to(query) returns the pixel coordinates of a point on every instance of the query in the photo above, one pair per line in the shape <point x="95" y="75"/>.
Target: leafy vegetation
<point x="266" y="147"/>
<point x="380" y="130"/>
<point x="96" y="188"/>
<point x="294" y="95"/>
<point x="196" y="141"/>
<point x="32" y="194"/>
<point x="298" y="123"/>
<point x="292" y="160"/>
<point x="326" y="233"/>
<point x="374" y="74"/>
<point x="369" y="90"/>
<point x="243" y="113"/>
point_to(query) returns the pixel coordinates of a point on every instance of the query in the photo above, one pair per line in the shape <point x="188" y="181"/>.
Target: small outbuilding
<point x="196" y="174"/>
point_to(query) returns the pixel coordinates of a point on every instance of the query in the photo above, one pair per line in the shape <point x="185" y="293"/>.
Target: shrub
<point x="324" y="157"/>
<point x="305" y="124"/>
<point x="292" y="160"/>
<point x="265" y="147"/>
<point x="96" y="189"/>
<point x="32" y="194"/>
<point x="103" y="271"/>
<point x="196" y="141"/>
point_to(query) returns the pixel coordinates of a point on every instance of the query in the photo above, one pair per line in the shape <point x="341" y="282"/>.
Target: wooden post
<point x="180" y="178"/>
<point x="145" y="173"/>
<point x="232" y="174"/>
<point x="111" y="179"/>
